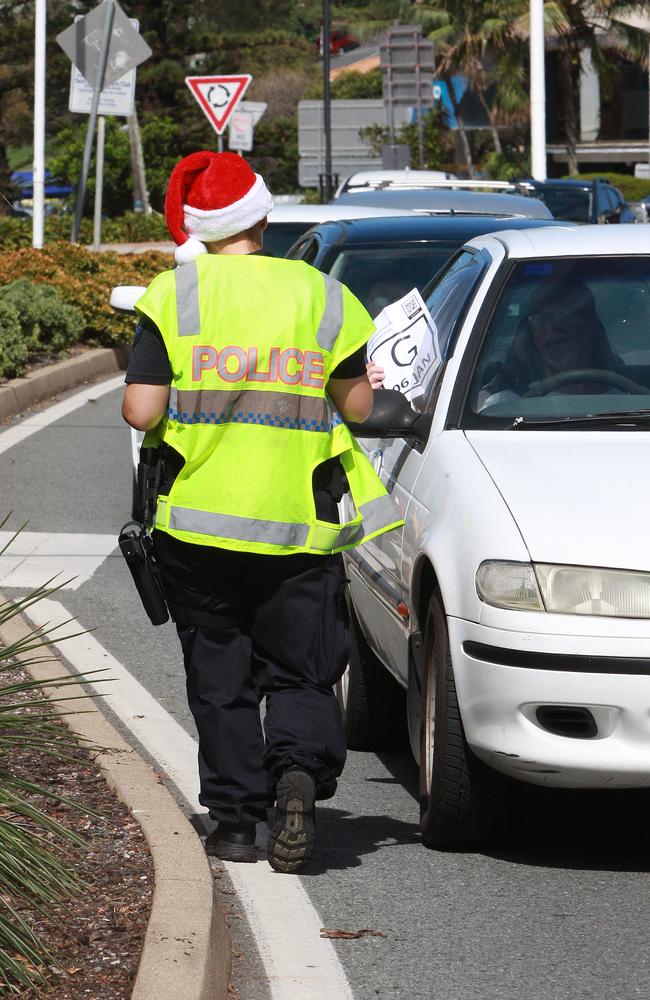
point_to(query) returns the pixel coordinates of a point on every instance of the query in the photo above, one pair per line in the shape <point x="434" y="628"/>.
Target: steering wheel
<point x="617" y="381"/>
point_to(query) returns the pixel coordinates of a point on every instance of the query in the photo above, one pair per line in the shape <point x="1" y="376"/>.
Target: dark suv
<point x="592" y="200"/>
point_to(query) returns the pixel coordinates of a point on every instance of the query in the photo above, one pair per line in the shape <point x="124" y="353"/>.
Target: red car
<point x="340" y="41"/>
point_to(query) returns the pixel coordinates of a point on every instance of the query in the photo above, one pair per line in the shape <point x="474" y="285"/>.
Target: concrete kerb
<point x="19" y="394"/>
<point x="186" y="952"/>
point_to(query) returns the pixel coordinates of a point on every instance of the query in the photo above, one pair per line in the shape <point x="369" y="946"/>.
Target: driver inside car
<point x="561" y="334"/>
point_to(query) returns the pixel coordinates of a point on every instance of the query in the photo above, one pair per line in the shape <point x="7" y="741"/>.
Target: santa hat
<point x="211" y="196"/>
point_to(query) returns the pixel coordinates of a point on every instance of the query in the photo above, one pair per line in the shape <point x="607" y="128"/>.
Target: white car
<point x="371" y="179"/>
<point x="514" y="605"/>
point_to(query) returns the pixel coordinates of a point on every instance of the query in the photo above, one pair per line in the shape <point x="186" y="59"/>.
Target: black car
<point x="592" y="200"/>
<point x="382" y="259"/>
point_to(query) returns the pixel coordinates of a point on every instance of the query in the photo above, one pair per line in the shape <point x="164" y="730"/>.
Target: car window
<point x="567" y="338"/>
<point x="447" y="301"/>
<point x="381" y="274"/>
<point x="280" y="236"/>
<point x="573" y="204"/>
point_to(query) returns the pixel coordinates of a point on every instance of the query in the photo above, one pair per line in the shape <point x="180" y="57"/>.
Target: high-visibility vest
<point x="252" y="342"/>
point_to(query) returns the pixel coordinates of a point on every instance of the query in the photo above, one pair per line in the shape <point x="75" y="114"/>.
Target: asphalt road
<point x="564" y="915"/>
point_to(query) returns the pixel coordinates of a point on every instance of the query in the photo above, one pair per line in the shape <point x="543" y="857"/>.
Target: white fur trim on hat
<point x="189" y="250"/>
<point x="220" y="223"/>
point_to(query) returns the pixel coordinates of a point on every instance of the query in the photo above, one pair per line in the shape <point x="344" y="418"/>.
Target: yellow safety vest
<point x="252" y="342"/>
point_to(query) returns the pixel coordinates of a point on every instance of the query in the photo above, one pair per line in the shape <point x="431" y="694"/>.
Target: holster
<point x="135" y="539"/>
<point x="137" y="548"/>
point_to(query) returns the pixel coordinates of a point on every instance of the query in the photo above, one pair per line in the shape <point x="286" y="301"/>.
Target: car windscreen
<point x="572" y="204"/>
<point x="567" y="339"/>
<point x="381" y="275"/>
<point x="279" y="236"/>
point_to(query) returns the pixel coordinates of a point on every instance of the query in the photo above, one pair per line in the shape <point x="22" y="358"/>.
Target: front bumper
<point x="503" y="677"/>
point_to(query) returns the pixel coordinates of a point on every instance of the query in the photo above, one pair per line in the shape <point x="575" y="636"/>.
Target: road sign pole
<point x="99" y="182"/>
<point x="99" y="83"/>
<point x="327" y="102"/>
<point x="418" y="99"/>
<point x="38" y="166"/>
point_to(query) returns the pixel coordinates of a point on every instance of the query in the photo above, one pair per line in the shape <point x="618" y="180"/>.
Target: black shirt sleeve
<point x="351" y="367"/>
<point x="149" y="363"/>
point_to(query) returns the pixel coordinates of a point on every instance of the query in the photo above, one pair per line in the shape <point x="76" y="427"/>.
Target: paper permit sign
<point x="405" y="344"/>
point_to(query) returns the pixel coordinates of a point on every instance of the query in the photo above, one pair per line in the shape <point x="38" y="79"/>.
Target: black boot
<point x="232" y="842"/>
<point x="291" y="839"/>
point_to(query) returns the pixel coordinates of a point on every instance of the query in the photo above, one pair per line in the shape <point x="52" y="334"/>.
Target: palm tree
<point x="465" y="34"/>
<point x="586" y="25"/>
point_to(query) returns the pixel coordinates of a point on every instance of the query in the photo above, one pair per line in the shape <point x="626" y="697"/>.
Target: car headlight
<point x="508" y="585"/>
<point x="567" y="590"/>
<point x="587" y="590"/>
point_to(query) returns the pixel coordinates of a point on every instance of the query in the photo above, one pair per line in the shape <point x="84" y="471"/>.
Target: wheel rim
<point x="429" y="723"/>
<point x="344" y="685"/>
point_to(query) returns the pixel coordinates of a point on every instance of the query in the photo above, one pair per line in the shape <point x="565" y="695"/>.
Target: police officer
<point x="242" y="369"/>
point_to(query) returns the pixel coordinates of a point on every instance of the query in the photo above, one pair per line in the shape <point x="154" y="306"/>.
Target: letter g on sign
<point x="403" y="354"/>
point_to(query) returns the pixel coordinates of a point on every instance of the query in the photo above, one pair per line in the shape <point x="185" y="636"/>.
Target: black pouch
<point x="137" y="548"/>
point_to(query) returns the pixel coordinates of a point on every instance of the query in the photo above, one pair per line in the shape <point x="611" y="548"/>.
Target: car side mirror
<point x="124" y="297"/>
<point x="393" y="417"/>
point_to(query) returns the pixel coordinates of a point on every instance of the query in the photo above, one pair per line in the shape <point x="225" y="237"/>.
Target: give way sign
<point x="218" y="96"/>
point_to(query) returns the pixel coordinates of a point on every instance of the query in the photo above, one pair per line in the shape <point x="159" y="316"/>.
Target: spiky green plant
<point x="35" y="849"/>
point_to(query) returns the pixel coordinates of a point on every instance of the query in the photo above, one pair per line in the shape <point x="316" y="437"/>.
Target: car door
<point x="378" y="588"/>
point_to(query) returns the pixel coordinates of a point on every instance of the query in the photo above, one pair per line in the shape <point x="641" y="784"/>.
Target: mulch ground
<point x="96" y="937"/>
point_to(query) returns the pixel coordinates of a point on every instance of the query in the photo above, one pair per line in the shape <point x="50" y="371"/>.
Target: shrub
<point x="47" y="322"/>
<point x="35" y="849"/>
<point x="84" y="279"/>
<point x="13" y="348"/>
<point x="132" y="227"/>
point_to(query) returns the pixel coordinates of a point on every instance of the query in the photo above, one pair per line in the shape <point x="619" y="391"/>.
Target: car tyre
<point x="464" y="803"/>
<point x="373" y="704"/>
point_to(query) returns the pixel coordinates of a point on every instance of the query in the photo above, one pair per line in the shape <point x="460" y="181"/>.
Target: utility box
<point x="349" y="153"/>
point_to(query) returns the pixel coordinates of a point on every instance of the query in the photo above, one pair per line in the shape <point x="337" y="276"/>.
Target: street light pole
<point x="38" y="165"/>
<point x="537" y="92"/>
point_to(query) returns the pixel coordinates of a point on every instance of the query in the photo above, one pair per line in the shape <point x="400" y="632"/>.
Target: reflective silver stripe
<point x="187" y="300"/>
<point x="378" y="513"/>
<point x="332" y="318"/>
<point x="244" y="529"/>
<point x="250" y="406"/>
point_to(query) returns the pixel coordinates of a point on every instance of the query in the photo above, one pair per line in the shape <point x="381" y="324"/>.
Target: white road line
<point x="299" y="964"/>
<point x="34" y="557"/>
<point x="14" y="435"/>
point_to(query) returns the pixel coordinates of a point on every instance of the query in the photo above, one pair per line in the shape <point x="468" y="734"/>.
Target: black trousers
<point x="254" y="627"/>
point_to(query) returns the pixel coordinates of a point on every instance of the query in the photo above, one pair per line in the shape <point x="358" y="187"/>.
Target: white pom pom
<point x="190" y="250"/>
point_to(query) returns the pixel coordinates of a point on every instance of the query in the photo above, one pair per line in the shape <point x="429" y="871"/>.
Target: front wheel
<point x="372" y="703"/>
<point x="463" y="803"/>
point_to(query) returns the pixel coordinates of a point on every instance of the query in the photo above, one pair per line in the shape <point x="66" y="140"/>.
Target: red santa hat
<point x="211" y="196"/>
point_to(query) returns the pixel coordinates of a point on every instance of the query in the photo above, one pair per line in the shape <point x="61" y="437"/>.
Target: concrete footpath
<point x="186" y="952"/>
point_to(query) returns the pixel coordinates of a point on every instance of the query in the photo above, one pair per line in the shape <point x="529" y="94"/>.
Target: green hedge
<point x="62" y="298"/>
<point x="132" y="227"/>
